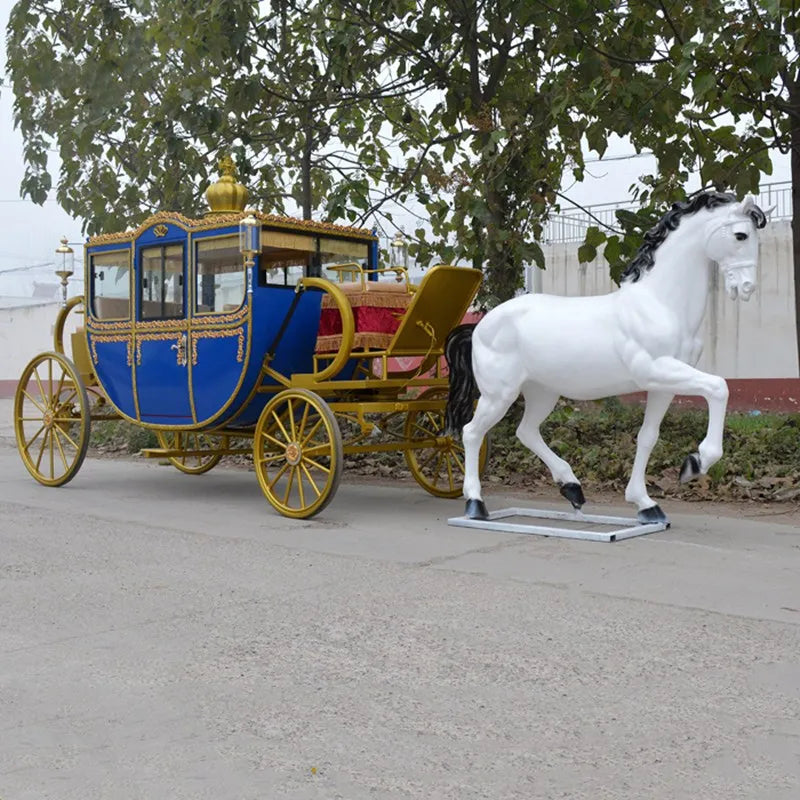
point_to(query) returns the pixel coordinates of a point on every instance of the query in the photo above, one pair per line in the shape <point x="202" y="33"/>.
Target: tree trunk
<point x="305" y="173"/>
<point x="796" y="229"/>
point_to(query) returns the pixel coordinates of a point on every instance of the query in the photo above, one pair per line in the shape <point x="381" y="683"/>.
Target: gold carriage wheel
<point x="439" y="468"/>
<point x="51" y="419"/>
<point x="298" y="453"/>
<point x="189" y="440"/>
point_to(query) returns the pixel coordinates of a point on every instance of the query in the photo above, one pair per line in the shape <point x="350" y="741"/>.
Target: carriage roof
<point x="216" y="220"/>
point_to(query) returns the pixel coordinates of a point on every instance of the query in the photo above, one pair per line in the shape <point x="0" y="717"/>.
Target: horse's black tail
<point x="463" y="389"/>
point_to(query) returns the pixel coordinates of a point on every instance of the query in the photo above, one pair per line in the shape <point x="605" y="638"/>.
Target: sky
<point x="29" y="234"/>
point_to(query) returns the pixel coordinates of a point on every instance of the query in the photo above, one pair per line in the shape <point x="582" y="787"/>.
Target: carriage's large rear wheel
<point x="51" y="419"/>
<point x="298" y="453"/>
<point x="438" y="468"/>
<point x="192" y="442"/>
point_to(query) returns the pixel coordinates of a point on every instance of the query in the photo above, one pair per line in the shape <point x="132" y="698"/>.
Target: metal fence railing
<point x="571" y="226"/>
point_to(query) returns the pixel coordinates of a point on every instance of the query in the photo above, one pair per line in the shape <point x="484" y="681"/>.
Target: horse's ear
<point x="751" y="209"/>
<point x="748" y="203"/>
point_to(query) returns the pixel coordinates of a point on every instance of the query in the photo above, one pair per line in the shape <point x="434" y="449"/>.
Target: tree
<point x="140" y="98"/>
<point x="488" y="101"/>
<point x="710" y="88"/>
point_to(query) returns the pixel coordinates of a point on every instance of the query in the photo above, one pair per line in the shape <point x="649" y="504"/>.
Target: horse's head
<point x="732" y="241"/>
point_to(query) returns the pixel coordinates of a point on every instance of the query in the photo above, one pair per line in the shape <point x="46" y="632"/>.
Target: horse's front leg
<point x="668" y="375"/>
<point x="636" y="491"/>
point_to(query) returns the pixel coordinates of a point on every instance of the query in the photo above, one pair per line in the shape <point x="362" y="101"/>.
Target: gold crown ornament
<point x="226" y="196"/>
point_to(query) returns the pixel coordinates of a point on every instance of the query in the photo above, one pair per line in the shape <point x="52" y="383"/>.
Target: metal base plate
<point x="626" y="527"/>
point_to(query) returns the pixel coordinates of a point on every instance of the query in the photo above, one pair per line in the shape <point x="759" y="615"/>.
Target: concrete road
<point x="168" y="636"/>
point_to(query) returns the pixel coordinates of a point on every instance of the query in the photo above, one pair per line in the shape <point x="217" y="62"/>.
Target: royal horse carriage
<point x="243" y="332"/>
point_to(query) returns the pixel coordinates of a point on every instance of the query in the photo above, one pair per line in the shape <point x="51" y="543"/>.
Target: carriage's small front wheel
<point x="439" y="467"/>
<point x="298" y="453"/>
<point x="51" y="419"/>
<point x="192" y="461"/>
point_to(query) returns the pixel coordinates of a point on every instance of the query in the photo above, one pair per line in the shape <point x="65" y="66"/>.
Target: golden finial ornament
<point x="226" y="196"/>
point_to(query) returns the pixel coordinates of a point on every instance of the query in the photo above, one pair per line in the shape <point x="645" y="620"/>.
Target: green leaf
<point x="586" y="253"/>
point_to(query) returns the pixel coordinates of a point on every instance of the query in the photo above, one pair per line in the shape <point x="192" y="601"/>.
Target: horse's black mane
<point x="645" y="255"/>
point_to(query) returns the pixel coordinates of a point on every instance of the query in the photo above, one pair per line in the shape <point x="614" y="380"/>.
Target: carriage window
<point x="336" y="251"/>
<point x="111" y="286"/>
<point x="285" y="257"/>
<point x="220" y="275"/>
<point x="162" y="282"/>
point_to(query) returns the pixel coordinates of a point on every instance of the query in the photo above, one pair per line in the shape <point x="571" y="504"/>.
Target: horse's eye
<point x="741" y="236"/>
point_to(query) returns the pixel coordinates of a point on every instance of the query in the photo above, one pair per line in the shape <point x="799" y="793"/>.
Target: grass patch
<point x="761" y="453"/>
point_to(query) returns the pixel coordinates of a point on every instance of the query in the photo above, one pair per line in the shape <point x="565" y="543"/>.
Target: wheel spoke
<point x="318" y="450"/>
<point x="41" y="451"/>
<point x="435" y="476"/>
<point x="50" y="378"/>
<point x="272" y="459"/>
<point x="317" y="464"/>
<point x="45" y="400"/>
<point x="35" y="437"/>
<point x="435" y="422"/>
<point x="61" y="451"/>
<point x="277" y="477"/>
<point x="41" y="408"/>
<point x="427" y="461"/>
<point x="277" y="419"/>
<point x="427" y="433"/>
<point x="291" y="420"/>
<point x="300" y="487"/>
<point x="449" y="463"/>
<point x="310" y="478"/>
<point x="289" y="486"/>
<point x="67" y="437"/>
<point x="457" y="459"/>
<point x="313" y="431"/>
<point x="304" y="419"/>
<point x="52" y="454"/>
<point x="60" y="386"/>
<point x="68" y="398"/>
<point x="274" y="441"/>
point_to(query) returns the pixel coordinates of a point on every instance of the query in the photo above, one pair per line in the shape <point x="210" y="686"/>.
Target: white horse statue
<point x="643" y="337"/>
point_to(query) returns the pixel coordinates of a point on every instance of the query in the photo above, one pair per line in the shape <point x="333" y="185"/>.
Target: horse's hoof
<point x="647" y="516"/>
<point x="573" y="493"/>
<point x="691" y="468"/>
<point x="476" y="510"/>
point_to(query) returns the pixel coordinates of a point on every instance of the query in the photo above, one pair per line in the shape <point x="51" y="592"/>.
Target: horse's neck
<point x="679" y="275"/>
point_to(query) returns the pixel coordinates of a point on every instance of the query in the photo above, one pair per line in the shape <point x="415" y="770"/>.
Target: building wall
<point x="742" y="340"/>
<point x="28" y="330"/>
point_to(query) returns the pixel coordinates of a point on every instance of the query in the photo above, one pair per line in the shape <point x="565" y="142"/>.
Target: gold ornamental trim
<point x="219" y="334"/>
<point x="219" y="220"/>
<point x="144" y="327"/>
<point x="101" y="339"/>
<point x="96" y="325"/>
<point x="160" y="230"/>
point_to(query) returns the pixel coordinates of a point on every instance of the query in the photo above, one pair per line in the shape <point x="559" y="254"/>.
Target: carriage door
<point x="162" y="380"/>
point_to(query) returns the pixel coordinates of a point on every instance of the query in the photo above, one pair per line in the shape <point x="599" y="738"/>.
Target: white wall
<point x="742" y="340"/>
<point x="28" y="330"/>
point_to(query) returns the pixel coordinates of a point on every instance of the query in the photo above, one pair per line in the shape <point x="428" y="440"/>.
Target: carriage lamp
<point x="249" y="245"/>
<point x="66" y="266"/>
<point x="398" y="252"/>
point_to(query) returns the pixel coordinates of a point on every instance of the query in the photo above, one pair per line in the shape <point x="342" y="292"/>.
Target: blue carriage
<point x="242" y="332"/>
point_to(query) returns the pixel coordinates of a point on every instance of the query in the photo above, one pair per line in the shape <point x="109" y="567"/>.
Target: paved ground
<point x="168" y="636"/>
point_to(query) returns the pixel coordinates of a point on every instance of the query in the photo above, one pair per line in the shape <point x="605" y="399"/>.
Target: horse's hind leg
<point x="490" y="410"/>
<point x="539" y="402"/>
